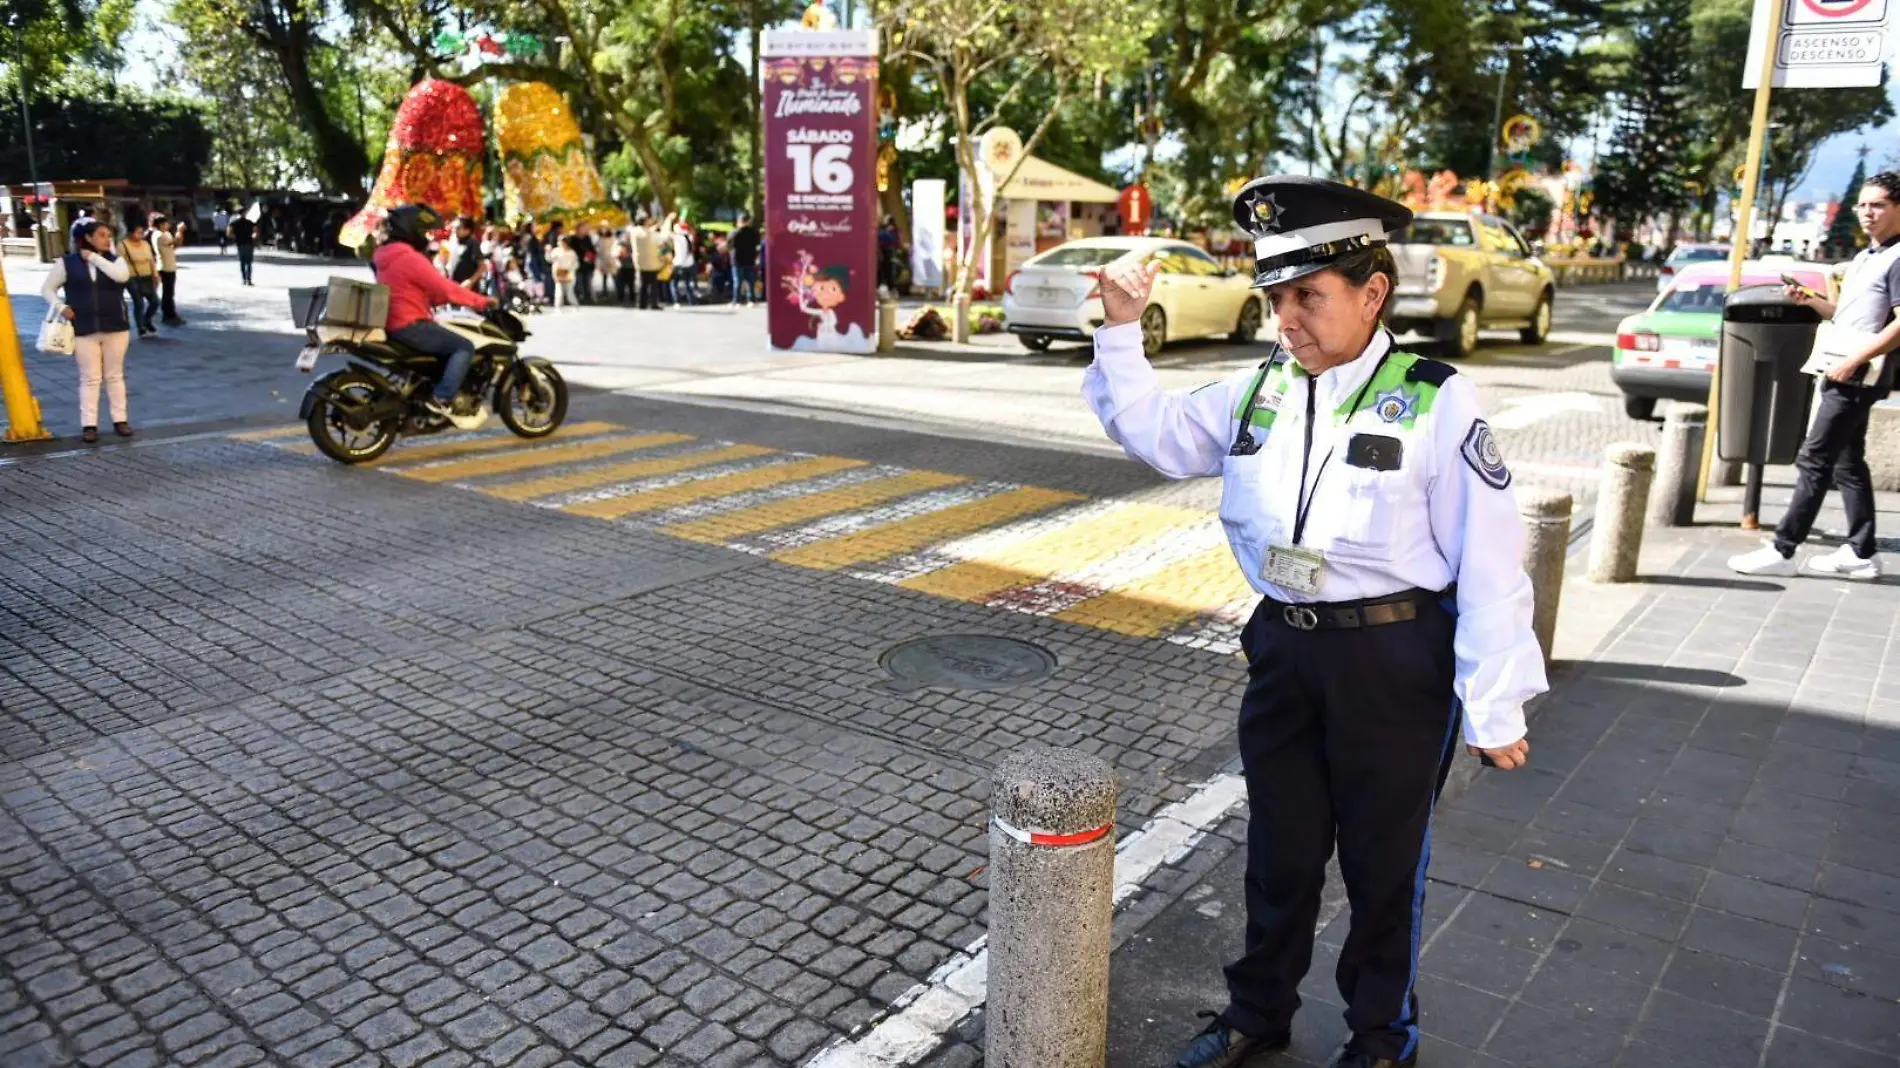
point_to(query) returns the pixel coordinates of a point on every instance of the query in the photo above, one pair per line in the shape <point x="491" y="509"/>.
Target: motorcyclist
<point x="415" y="289"/>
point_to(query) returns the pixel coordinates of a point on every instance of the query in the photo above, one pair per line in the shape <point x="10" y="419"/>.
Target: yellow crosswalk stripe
<point x="688" y="492"/>
<point x="529" y="456"/>
<point x="1154" y="604"/>
<point x="271" y="434"/>
<point x="609" y="507"/>
<point x="909" y="535"/>
<point x="719" y="529"/>
<point x="1066" y="549"/>
<point x="448" y="450"/>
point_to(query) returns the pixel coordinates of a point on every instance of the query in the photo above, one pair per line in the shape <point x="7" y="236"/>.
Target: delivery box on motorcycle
<point x="346" y="310"/>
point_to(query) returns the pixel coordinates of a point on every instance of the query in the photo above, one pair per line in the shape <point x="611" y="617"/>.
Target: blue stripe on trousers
<point x="1409" y="1019"/>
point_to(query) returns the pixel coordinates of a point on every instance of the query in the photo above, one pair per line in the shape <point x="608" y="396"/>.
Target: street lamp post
<point x="1497" y="118"/>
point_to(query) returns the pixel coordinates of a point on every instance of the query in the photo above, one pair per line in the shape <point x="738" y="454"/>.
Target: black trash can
<point x="1765" y="339"/>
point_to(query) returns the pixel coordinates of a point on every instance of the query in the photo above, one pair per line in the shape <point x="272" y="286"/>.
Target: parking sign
<point x="1824" y="44"/>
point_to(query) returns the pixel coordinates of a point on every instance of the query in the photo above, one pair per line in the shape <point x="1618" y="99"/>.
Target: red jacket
<point x="416" y="287"/>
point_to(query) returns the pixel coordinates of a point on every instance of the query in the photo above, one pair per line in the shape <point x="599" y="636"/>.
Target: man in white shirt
<point x="1835" y="452"/>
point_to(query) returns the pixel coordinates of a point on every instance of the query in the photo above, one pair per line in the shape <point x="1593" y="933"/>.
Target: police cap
<point x="1301" y="225"/>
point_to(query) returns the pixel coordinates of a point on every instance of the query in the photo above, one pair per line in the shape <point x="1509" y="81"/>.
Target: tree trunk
<point x="754" y="160"/>
<point x="340" y="160"/>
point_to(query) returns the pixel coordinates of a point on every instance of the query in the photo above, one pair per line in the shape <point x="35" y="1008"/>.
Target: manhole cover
<point x="965" y="662"/>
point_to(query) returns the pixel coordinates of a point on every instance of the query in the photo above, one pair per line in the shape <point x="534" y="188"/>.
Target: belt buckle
<point x="1300" y="617"/>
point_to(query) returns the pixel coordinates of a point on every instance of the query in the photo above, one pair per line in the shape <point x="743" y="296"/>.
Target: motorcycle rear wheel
<point x="531" y="408"/>
<point x="333" y="435"/>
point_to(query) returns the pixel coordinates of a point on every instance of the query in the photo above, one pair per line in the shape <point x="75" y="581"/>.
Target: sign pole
<point x="1744" y="222"/>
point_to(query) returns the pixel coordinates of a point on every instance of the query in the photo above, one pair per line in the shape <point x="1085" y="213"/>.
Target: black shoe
<point x="1220" y="1046"/>
<point x="122" y="428"/>
<point x="88" y="434"/>
<point x="1367" y="1060"/>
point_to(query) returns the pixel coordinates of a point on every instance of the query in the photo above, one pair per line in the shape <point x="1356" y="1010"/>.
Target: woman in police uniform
<point x="1365" y="499"/>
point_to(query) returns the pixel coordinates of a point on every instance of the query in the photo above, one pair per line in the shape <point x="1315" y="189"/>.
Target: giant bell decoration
<point x="546" y="172"/>
<point x="433" y="157"/>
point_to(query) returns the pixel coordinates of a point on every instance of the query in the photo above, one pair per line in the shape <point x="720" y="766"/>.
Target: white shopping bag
<point x="56" y="334"/>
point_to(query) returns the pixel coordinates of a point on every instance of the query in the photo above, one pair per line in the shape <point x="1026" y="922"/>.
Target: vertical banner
<point x="926" y="233"/>
<point x="821" y="189"/>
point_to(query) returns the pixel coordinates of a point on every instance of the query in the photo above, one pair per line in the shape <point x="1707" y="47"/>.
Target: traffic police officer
<point x="1365" y="498"/>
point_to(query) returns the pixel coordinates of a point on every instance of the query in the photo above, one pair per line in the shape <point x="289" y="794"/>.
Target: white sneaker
<point x="1842" y="563"/>
<point x="1766" y="560"/>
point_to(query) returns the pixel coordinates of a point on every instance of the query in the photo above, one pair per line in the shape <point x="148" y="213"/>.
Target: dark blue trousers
<point x="1347" y="736"/>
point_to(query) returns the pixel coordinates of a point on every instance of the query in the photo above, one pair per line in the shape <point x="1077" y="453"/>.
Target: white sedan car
<point x="1057" y="295"/>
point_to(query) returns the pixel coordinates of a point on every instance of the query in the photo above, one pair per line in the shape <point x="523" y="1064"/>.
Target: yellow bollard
<point x="23" y="411"/>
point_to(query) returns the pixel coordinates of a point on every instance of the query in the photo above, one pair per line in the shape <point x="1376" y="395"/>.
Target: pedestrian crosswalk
<point x="1146" y="570"/>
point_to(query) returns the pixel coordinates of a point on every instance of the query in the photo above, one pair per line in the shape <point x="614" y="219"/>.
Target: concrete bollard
<point x="1546" y="515"/>
<point x="886" y="323"/>
<point x="1616" y="539"/>
<point x="1672" y="494"/>
<point x="1052" y="880"/>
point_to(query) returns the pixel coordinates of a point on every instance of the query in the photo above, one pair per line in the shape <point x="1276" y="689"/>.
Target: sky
<point x="1833" y="162"/>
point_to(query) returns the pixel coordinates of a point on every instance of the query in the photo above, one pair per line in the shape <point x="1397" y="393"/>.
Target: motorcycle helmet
<point x="411" y="224"/>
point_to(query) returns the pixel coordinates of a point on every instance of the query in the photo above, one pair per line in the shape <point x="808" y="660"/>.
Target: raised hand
<point x="1126" y="284"/>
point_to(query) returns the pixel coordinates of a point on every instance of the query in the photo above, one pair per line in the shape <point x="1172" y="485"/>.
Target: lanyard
<point x="1303" y="504"/>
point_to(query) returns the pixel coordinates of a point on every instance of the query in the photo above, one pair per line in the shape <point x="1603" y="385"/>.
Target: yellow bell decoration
<point x="545" y="169"/>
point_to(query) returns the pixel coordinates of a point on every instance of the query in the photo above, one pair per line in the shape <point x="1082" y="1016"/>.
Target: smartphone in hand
<point x="1793" y="283"/>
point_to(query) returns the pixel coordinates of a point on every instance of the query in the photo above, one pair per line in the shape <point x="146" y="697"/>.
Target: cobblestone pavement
<point x="315" y="765"/>
<point x="1698" y="867"/>
<point x="578" y="751"/>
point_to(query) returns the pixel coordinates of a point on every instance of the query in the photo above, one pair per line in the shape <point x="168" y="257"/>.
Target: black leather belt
<point x="1352" y="615"/>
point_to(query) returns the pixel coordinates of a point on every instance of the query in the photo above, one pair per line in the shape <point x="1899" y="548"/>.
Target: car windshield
<point x="1455" y="232"/>
<point x="1711" y="294"/>
<point x="1077" y="256"/>
<point x="1697" y="255"/>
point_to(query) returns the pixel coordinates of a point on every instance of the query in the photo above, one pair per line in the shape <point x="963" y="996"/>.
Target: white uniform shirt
<point x="1446" y="515"/>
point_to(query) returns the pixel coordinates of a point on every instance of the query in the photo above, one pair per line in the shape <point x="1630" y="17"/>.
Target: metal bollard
<point x="1672" y="495"/>
<point x="886" y="323"/>
<point x="1617" y="537"/>
<point x="1546" y="515"/>
<point x="1052" y="877"/>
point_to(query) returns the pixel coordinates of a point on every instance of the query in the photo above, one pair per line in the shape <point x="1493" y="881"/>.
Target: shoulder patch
<point x="1481" y="452"/>
<point x="1430" y="372"/>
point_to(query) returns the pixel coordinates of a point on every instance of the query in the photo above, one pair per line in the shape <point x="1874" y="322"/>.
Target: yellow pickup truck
<point x="1461" y="273"/>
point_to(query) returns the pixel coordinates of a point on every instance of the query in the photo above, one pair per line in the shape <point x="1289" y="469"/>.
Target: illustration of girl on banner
<point x="819" y="292"/>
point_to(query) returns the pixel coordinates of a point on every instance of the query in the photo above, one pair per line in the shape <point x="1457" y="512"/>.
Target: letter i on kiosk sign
<point x="1136" y="206"/>
<point x="821" y="189"/>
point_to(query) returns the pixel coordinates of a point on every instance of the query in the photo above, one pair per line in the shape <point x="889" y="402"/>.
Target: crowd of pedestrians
<point x="645" y="264"/>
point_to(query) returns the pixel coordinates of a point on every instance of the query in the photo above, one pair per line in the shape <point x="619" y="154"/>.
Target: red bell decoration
<point x="433" y="157"/>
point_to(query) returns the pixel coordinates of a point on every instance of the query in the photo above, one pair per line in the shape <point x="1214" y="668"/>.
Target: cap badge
<point x="1264" y="210"/>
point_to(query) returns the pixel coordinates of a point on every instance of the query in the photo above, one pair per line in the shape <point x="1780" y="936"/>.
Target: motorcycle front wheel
<point x="532" y="399"/>
<point x="330" y="426"/>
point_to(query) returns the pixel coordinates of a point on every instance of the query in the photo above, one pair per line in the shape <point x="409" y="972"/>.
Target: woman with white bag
<point x="94" y="282"/>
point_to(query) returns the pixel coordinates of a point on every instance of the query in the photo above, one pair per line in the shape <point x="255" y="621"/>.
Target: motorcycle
<point x="354" y="415"/>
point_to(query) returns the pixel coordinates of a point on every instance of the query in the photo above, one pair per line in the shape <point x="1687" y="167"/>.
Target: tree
<point x="77" y="135"/>
<point x="1806" y="118"/>
<point x="1056" y="46"/>
<point x="1722" y="111"/>
<point x="660" y="79"/>
<point x="287" y="32"/>
<point x="1645" y="173"/>
<point x="1843" y="231"/>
